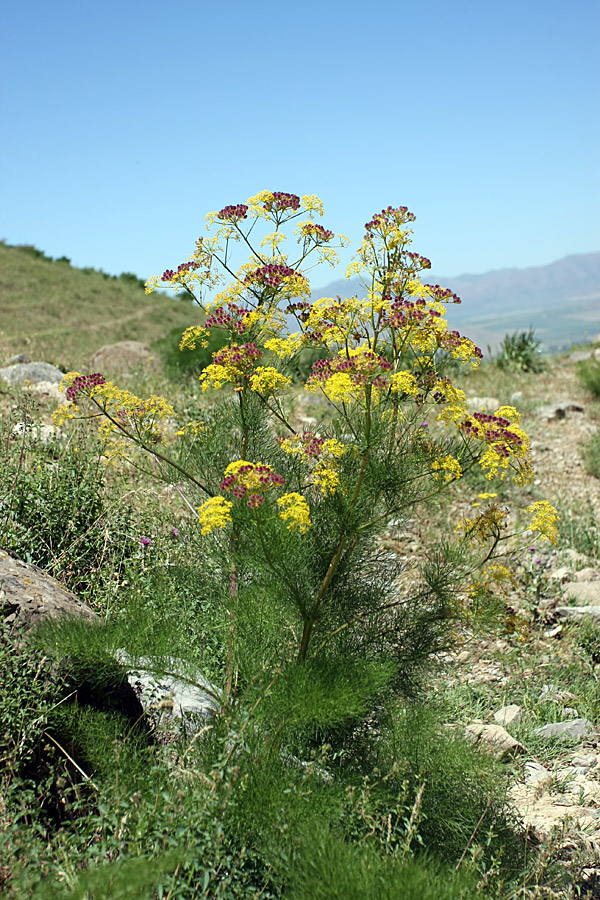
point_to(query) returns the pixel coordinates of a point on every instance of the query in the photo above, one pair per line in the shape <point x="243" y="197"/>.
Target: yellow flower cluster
<point x="447" y="466"/>
<point x="322" y="456"/>
<point x="544" y="520"/>
<point x="404" y="383"/>
<point x="191" y="336"/>
<point x="296" y="511"/>
<point x="267" y="380"/>
<point x="285" y="348"/>
<point x="215" y="513"/>
<point x="487" y="525"/>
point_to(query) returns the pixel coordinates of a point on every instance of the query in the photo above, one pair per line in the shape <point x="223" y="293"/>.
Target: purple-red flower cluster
<point x="419" y="262"/>
<point x="169" y="274"/>
<point x="233" y="320"/>
<point x="495" y="429"/>
<point x="83" y="383"/>
<point x="239" y="356"/>
<point x="390" y="214"/>
<point x="233" y="213"/>
<point x="250" y="479"/>
<point x="442" y="294"/>
<point x="282" y="201"/>
<point x="361" y="368"/>
<point x="271" y="275"/>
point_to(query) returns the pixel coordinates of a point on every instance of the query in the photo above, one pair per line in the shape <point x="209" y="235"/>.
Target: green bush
<point x="56" y="515"/>
<point x="591" y="454"/>
<point x="589" y="375"/>
<point x="520" y="352"/>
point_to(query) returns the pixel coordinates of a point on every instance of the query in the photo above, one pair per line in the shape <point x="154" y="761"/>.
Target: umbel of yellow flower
<point x="296" y="511"/>
<point x="544" y="519"/>
<point x="215" y="513"/>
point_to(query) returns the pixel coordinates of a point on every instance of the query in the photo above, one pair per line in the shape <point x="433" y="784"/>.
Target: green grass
<point x="60" y="314"/>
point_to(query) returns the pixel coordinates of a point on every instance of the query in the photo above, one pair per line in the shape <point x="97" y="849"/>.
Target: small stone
<point x="561" y="574"/>
<point x="516" y="396"/>
<point x="578" y="612"/>
<point x="536" y="773"/>
<point x="580" y="355"/>
<point x="583" y="593"/>
<point x="575" y="728"/>
<point x="585" y="759"/>
<point x="509" y="715"/>
<point x="494" y="738"/>
<point x="485" y="404"/>
<point x="19" y="358"/>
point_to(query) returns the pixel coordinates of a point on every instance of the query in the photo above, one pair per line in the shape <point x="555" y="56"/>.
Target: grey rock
<point x="578" y="612"/>
<point x="29" y="595"/>
<point x="585" y="759"/>
<point x="536" y="773"/>
<point x="19" y="358"/>
<point x="580" y="355"/>
<point x="583" y="593"/>
<point x="509" y="715"/>
<point x="169" y="696"/>
<point x="516" y="396"/>
<point x="32" y="372"/>
<point x="575" y="728"/>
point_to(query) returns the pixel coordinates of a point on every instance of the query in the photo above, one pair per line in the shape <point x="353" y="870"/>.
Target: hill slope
<point x="57" y="313"/>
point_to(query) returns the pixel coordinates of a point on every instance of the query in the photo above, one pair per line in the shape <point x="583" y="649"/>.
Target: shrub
<point x="589" y="374"/>
<point x="591" y="455"/>
<point x="520" y="352"/>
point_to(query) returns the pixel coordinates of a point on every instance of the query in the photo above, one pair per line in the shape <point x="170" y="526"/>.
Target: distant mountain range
<point x="560" y="301"/>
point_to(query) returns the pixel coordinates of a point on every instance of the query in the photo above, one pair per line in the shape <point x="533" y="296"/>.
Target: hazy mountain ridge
<point x="561" y="300"/>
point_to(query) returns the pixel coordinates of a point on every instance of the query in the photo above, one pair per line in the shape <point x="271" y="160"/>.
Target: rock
<point x="494" y="738"/>
<point x="170" y="697"/>
<point x="587" y="574"/>
<point x="580" y="355"/>
<point x="516" y="396"/>
<point x="589" y="760"/>
<point x="583" y="593"/>
<point x="536" y="773"/>
<point x="575" y="728"/>
<point x="19" y="358"/>
<point x="46" y="389"/>
<point x="484" y="404"/>
<point x="561" y="574"/>
<point x="509" y="715"/>
<point x="578" y="612"/>
<point x="576" y="557"/>
<point x="28" y="595"/>
<point x="559" y="410"/>
<point x="120" y="358"/>
<point x="32" y="372"/>
<point x="42" y="433"/>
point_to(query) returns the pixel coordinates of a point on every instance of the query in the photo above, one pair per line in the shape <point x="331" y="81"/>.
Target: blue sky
<point x="125" y="122"/>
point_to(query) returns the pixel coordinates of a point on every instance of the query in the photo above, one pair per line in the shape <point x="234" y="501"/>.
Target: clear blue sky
<point x="125" y="122"/>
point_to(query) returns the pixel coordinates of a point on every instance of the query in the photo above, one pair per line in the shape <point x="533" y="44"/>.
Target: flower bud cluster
<point x="282" y="201"/>
<point x="271" y="275"/>
<point x="254" y="479"/>
<point x="170" y="274"/>
<point x="396" y="215"/>
<point x="233" y="320"/>
<point x="233" y="213"/>
<point x="83" y="383"/>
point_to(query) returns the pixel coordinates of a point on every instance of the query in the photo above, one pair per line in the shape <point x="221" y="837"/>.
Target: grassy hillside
<point x="57" y="313"/>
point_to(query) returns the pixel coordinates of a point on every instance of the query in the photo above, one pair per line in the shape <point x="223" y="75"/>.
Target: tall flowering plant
<point x="300" y="510"/>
